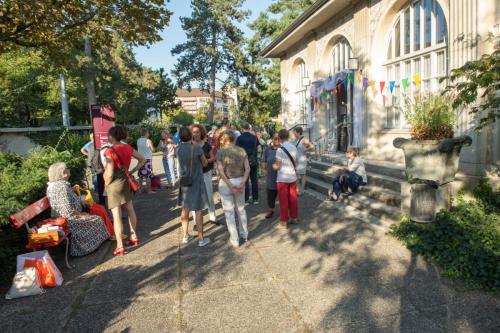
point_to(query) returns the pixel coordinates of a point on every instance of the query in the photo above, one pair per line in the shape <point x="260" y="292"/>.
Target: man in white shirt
<point x="350" y="178"/>
<point x="286" y="181"/>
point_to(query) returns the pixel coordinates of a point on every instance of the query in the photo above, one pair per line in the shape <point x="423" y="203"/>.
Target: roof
<point x="197" y="92"/>
<point x="316" y="15"/>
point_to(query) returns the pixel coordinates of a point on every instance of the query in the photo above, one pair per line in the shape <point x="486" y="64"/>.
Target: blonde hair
<point x="56" y="171"/>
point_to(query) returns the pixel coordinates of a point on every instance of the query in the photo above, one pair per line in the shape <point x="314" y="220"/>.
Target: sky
<point x="158" y="55"/>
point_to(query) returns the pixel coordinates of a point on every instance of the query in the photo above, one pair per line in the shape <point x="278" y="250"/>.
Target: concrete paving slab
<point x="249" y="308"/>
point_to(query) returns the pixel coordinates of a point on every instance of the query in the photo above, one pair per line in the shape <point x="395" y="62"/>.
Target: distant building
<point x="197" y="99"/>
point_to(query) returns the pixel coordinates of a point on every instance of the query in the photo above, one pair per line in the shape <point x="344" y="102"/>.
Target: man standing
<point x="249" y="142"/>
<point x="303" y="146"/>
<point x="95" y="168"/>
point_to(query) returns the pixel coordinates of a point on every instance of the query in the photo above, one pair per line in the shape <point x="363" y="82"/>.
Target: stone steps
<point x="393" y="170"/>
<point x="359" y="201"/>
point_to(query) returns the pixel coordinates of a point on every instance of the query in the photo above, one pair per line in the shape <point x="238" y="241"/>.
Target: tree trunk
<point x="90" y="75"/>
<point x="213" y="72"/>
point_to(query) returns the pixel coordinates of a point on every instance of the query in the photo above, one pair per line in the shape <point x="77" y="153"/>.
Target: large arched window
<point x="417" y="44"/>
<point x="341" y="52"/>
<point x="300" y="91"/>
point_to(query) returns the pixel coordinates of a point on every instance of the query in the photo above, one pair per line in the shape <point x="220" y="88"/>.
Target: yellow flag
<point x="416" y="79"/>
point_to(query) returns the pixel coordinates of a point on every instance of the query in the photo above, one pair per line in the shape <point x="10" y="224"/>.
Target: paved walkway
<point x="333" y="273"/>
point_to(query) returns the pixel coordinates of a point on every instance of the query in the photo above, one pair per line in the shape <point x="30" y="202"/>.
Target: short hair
<point x="283" y="134"/>
<point x="185" y="134"/>
<point x="225" y="122"/>
<point x="118" y="132"/>
<point x="298" y="130"/>
<point x="245" y="125"/>
<point x="352" y="151"/>
<point x="56" y="171"/>
<point x="230" y="134"/>
<point x="203" y="130"/>
<point x="144" y="131"/>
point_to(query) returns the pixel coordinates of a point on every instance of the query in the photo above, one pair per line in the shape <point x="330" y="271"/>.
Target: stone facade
<point x="367" y="26"/>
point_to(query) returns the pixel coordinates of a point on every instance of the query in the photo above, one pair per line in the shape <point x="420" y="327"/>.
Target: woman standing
<point x="271" y="174"/>
<point x="146" y="149"/>
<point x="88" y="231"/>
<point x="234" y="169"/>
<point x="167" y="145"/>
<point x="285" y="163"/>
<point x="192" y="193"/>
<point x="117" y="180"/>
<point x="199" y="137"/>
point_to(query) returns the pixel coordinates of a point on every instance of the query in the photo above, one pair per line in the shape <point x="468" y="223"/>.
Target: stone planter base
<point x="426" y="203"/>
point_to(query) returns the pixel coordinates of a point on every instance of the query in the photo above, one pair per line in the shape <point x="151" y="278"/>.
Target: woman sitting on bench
<point x="88" y="231"/>
<point x="350" y="178"/>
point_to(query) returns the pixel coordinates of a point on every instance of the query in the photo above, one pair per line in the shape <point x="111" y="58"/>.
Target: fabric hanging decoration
<point x="358" y="112"/>
<point x="404" y="84"/>
<point x="345" y="83"/>
<point x="351" y="77"/>
<point x="382" y="85"/>
<point x="416" y="79"/>
<point x="365" y="82"/>
<point x="391" y="85"/>
<point x="359" y="78"/>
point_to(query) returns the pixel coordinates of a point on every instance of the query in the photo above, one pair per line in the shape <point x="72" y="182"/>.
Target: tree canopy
<point x="214" y="45"/>
<point x="55" y="26"/>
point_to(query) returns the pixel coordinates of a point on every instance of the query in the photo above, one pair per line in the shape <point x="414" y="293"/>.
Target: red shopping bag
<point x="49" y="274"/>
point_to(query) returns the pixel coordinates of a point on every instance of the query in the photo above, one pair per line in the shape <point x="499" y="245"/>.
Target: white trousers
<point x="207" y="177"/>
<point x="230" y="201"/>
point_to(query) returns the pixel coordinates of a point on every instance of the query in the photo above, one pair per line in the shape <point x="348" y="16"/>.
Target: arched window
<point x="300" y="91"/>
<point x="341" y="52"/>
<point x="417" y="44"/>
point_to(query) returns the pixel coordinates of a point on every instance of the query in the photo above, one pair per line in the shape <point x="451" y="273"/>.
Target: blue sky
<point x="158" y="55"/>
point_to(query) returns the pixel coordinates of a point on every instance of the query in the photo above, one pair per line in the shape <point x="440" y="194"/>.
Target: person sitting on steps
<point x="349" y="179"/>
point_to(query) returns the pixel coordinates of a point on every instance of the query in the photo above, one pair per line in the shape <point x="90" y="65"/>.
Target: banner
<point x="103" y="118"/>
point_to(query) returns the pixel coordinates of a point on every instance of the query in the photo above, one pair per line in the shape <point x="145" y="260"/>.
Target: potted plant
<point x="432" y="153"/>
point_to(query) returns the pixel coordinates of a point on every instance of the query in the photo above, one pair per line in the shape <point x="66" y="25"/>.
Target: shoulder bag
<point x="289" y="156"/>
<point x="132" y="182"/>
<point x="187" y="180"/>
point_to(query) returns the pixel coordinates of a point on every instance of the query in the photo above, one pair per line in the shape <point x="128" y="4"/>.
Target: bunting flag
<point x="404" y="84"/>
<point x="365" y="82"/>
<point x="416" y="79"/>
<point x="351" y="77"/>
<point x="391" y="85"/>
<point x="382" y="85"/>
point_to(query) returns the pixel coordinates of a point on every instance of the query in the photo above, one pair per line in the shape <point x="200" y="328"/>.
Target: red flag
<point x="382" y="85"/>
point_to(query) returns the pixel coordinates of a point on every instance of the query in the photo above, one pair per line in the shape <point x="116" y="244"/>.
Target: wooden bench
<point x="28" y="213"/>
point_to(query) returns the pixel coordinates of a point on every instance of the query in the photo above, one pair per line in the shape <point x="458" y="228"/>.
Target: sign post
<point x="103" y="118"/>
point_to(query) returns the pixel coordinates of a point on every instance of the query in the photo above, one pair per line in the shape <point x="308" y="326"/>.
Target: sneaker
<point x="204" y="242"/>
<point x="294" y="222"/>
<point x="244" y="239"/>
<point x="255" y="202"/>
<point x="186" y="239"/>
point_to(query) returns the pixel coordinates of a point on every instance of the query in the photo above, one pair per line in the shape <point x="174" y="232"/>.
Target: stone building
<point x="199" y="100"/>
<point x="393" y="48"/>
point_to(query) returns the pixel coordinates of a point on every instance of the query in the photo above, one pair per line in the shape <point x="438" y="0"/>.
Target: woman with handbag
<point x="120" y="184"/>
<point x="192" y="191"/>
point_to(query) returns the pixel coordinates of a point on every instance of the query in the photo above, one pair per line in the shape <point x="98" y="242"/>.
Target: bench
<point x="28" y="213"/>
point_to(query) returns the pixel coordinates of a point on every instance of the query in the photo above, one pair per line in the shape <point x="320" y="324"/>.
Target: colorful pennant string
<point x="416" y="79"/>
<point x="382" y="85"/>
<point x="391" y="85"/>
<point x="404" y="84"/>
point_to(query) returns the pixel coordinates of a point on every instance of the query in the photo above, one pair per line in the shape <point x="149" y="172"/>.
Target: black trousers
<point x="255" y="187"/>
<point x="100" y="188"/>
<point x="271" y="198"/>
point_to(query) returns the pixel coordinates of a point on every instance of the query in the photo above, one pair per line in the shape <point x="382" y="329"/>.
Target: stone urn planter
<point x="430" y="165"/>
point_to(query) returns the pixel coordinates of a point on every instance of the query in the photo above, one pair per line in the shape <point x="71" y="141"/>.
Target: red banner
<point x="103" y="118"/>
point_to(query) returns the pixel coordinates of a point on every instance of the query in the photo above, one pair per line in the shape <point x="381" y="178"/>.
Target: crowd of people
<point x="191" y="158"/>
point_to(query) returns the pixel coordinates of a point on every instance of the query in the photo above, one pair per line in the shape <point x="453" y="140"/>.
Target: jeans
<point x="229" y="202"/>
<point x="255" y="187"/>
<point x="271" y="198"/>
<point x="207" y="177"/>
<point x="287" y="193"/>
<point x="346" y="180"/>
<point x="170" y="172"/>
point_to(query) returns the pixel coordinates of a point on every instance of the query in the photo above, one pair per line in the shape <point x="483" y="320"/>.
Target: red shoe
<point x="131" y="242"/>
<point x="119" y="251"/>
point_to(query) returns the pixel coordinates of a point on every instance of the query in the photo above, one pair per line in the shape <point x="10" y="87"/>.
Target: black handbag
<point x="187" y="180"/>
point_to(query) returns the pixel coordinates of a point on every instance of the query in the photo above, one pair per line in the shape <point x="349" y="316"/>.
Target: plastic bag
<point x="49" y="274"/>
<point x="25" y="283"/>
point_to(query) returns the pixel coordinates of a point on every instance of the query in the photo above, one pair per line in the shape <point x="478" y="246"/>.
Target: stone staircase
<point x="380" y="198"/>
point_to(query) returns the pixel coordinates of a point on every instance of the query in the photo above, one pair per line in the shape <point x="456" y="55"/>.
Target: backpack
<point x="95" y="162"/>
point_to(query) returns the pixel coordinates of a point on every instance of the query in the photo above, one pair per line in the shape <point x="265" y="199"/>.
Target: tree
<point x="54" y="26"/>
<point x="474" y="76"/>
<point x="213" y="46"/>
<point x="260" y="98"/>
<point x="164" y="93"/>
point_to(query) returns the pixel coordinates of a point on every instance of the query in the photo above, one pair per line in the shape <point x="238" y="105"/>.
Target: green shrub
<point x="154" y="128"/>
<point x="464" y="241"/>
